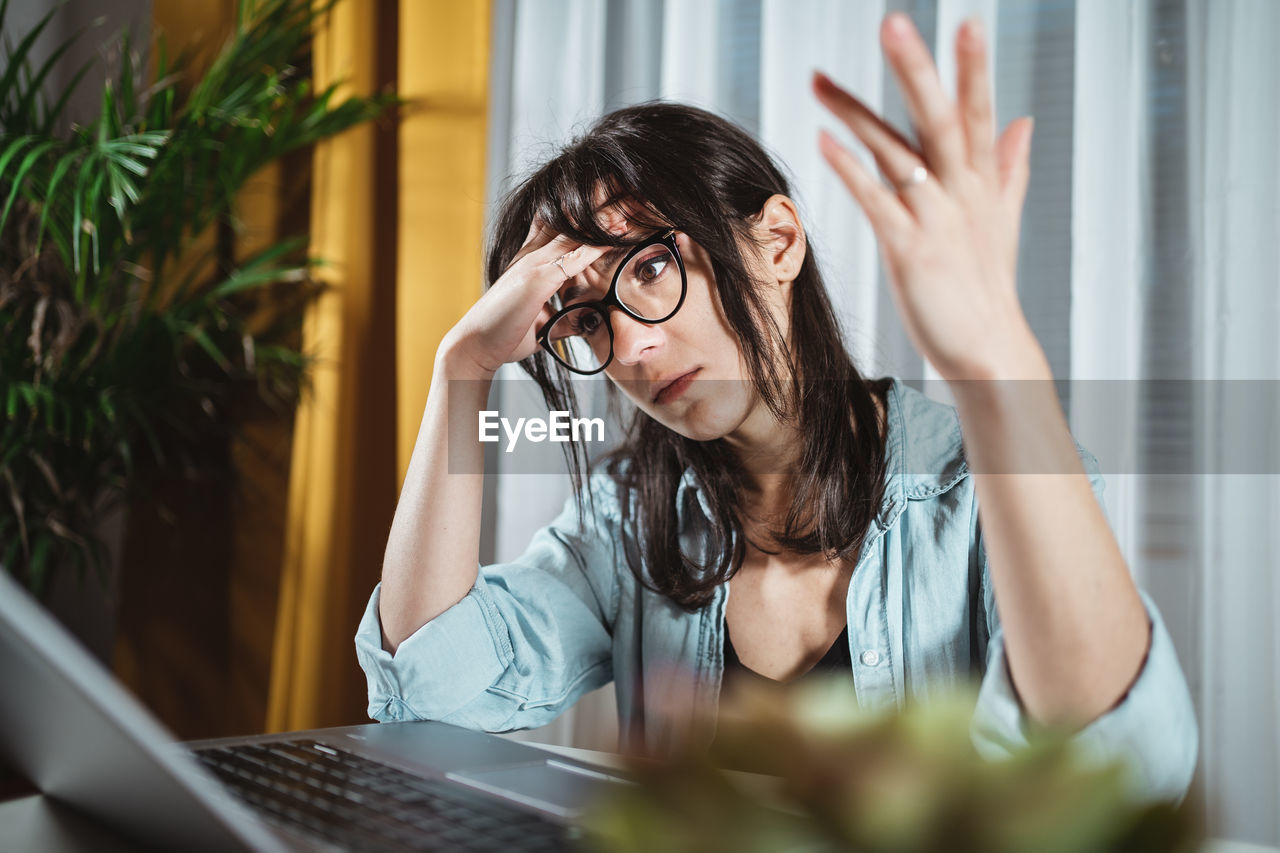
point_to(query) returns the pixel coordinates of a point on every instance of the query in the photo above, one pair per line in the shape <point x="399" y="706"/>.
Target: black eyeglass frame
<point x="611" y="300"/>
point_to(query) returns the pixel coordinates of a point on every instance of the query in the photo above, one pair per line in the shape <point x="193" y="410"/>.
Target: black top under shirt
<point x="836" y="660"/>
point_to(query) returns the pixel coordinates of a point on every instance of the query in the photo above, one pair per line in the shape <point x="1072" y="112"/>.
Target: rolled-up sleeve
<point x="529" y="638"/>
<point x="1152" y="729"/>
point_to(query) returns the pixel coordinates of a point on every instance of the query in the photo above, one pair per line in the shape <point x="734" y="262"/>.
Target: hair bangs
<point x="569" y="192"/>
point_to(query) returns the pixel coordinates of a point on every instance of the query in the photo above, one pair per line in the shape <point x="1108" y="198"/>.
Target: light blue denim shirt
<point x="568" y="616"/>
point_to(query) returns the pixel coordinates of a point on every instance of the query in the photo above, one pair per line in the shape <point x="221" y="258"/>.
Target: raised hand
<point x="947" y="219"/>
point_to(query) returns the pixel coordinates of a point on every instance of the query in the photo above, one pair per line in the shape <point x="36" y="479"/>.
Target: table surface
<point x="33" y="823"/>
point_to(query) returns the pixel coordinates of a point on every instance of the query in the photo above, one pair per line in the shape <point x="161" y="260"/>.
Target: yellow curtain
<point x="397" y="214"/>
<point x="444" y="63"/>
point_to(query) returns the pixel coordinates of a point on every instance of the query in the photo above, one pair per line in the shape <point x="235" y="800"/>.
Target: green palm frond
<point x="115" y="355"/>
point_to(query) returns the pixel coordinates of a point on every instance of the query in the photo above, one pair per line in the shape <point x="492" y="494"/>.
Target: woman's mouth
<point x="675" y="388"/>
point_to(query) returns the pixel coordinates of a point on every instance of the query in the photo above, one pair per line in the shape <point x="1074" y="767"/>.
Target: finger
<point x="545" y="246"/>
<point x="553" y="269"/>
<point x="893" y="154"/>
<point x="537" y="272"/>
<point x="572" y="262"/>
<point x="544" y="317"/>
<point x="540" y="234"/>
<point x="887" y="214"/>
<point x="1013" y="158"/>
<point x="973" y="90"/>
<point x="932" y="112"/>
<point x="535" y="226"/>
<point x="614" y="218"/>
<point x="544" y="271"/>
<point x="557" y="262"/>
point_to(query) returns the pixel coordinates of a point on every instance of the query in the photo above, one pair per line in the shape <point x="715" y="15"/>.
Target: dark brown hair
<point x="692" y="170"/>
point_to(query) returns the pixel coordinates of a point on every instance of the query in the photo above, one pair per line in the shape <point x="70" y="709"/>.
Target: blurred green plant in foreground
<point x="823" y="776"/>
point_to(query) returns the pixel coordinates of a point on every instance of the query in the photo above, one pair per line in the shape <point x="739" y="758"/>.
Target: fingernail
<point x="899" y="24"/>
<point x="828" y="143"/>
<point x="975" y="29"/>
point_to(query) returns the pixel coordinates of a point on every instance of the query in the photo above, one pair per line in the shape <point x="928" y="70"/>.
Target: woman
<point x="662" y="249"/>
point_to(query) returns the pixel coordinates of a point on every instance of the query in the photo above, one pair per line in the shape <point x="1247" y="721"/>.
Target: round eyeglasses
<point x="649" y="285"/>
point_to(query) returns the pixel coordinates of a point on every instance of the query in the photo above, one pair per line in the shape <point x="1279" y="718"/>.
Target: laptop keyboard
<point x="344" y="801"/>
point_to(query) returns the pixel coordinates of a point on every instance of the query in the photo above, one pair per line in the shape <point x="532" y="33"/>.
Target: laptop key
<point x="349" y="802"/>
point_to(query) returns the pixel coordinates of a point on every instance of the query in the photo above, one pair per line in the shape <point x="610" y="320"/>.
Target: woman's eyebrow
<point x="612" y="256"/>
<point x="604" y="263"/>
<point x="571" y="293"/>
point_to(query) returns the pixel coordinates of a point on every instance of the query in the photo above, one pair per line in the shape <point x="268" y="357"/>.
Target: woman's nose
<point x="633" y="339"/>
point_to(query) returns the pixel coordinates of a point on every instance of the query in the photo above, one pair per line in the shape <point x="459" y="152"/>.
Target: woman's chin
<point x="696" y="422"/>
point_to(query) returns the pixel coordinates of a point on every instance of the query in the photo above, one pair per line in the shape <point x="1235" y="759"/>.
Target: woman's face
<point x="687" y="373"/>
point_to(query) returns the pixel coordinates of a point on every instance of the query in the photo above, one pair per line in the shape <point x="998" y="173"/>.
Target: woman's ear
<point x="781" y="237"/>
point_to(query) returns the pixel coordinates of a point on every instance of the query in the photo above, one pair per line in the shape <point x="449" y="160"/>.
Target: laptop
<point x="83" y="741"/>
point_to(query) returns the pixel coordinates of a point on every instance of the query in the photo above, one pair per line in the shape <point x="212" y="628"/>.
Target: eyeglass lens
<point x="649" y="286"/>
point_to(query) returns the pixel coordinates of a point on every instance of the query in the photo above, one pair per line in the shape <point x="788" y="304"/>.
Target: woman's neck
<point x="770" y="453"/>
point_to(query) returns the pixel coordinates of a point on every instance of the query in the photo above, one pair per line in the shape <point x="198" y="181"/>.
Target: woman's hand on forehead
<point x="592" y="282"/>
<point x="502" y="325"/>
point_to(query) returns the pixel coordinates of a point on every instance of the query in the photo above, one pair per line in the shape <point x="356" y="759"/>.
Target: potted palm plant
<point x="129" y="321"/>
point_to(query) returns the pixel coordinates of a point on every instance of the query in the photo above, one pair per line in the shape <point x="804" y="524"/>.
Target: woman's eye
<point x="651" y="269"/>
<point x="588" y="323"/>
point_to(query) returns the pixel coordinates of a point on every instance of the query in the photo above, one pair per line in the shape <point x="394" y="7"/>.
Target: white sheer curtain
<point x="1234" y="192"/>
<point x="1150" y="253"/>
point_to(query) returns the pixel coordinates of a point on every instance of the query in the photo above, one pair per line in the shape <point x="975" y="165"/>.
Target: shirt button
<point x="870" y="657"/>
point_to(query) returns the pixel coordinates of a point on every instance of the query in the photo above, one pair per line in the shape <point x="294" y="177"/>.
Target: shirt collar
<point x="924" y="456"/>
<point x="924" y="452"/>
